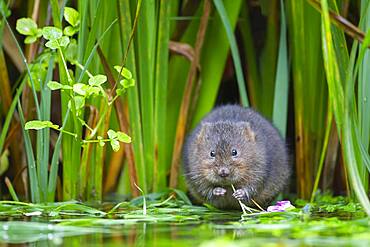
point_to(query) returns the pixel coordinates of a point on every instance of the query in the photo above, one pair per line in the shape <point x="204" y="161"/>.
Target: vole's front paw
<point x="241" y="194"/>
<point x="218" y="191"/>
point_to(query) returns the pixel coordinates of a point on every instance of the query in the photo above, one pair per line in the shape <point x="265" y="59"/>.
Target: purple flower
<point x="281" y="206"/>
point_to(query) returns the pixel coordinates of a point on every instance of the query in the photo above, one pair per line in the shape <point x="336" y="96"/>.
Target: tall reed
<point x="177" y="67"/>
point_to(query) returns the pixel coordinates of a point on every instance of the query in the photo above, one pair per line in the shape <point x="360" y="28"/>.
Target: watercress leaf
<point x="37" y="125"/>
<point x="94" y="90"/>
<point x="36" y="81"/>
<point x="115" y="145"/>
<point x="64" y="41"/>
<point x="128" y="83"/>
<point x="72" y="16"/>
<point x="101" y="142"/>
<point x="38" y="74"/>
<point x="70" y="31"/>
<point x="54" y="85"/>
<point x="26" y="26"/>
<point x="52" y="44"/>
<point x="79" y="102"/>
<point x="122" y="82"/>
<point x="39" y="33"/>
<point x="71" y="51"/>
<point x="120" y="91"/>
<point x="123" y="137"/>
<point x="80" y="89"/>
<point x="124" y="72"/>
<point x="97" y="80"/>
<point x="30" y="39"/>
<point x="51" y="33"/>
<point x="112" y="134"/>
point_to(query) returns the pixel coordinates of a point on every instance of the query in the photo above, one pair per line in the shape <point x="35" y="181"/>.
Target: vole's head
<point x="228" y="153"/>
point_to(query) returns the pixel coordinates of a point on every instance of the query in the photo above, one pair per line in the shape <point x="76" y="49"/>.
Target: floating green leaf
<point x="72" y="16"/>
<point x="37" y="125"/>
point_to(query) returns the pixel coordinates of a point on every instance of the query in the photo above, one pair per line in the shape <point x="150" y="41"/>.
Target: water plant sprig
<point x="243" y="206"/>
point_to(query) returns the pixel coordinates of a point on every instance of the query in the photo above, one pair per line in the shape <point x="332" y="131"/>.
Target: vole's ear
<point x="247" y="131"/>
<point x="203" y="131"/>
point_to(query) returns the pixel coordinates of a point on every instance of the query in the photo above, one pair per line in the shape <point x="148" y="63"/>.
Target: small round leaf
<point x="72" y="16"/>
<point x="70" y="31"/>
<point x="124" y="72"/>
<point x="26" y="26"/>
<point x="80" y="89"/>
<point x="112" y="134"/>
<point x="30" y="39"/>
<point x="53" y="85"/>
<point x="123" y="137"/>
<point x="37" y="125"/>
<point x="97" y="80"/>
<point x="52" y="44"/>
<point x="52" y="33"/>
<point x="115" y="145"/>
<point x="128" y="83"/>
<point x="64" y="41"/>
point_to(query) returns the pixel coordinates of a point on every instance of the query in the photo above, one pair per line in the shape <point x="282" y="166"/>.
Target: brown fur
<point x="259" y="171"/>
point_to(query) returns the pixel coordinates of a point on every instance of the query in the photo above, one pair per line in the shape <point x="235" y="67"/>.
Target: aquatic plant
<point x="150" y="69"/>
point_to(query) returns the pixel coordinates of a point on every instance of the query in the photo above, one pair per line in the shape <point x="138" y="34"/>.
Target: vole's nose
<point x="223" y="172"/>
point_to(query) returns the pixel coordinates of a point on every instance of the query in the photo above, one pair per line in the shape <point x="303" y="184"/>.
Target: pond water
<point x="175" y="223"/>
<point x="180" y="234"/>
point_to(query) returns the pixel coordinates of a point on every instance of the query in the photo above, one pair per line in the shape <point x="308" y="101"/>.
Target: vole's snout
<point x="223" y="172"/>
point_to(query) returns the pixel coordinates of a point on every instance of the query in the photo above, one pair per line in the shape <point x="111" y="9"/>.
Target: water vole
<point x="235" y="145"/>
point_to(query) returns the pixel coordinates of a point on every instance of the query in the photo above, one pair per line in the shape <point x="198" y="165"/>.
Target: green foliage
<point x="28" y="27"/>
<point x="54" y="85"/>
<point x="117" y="136"/>
<point x="234" y="51"/>
<point x="88" y="43"/>
<point x="97" y="80"/>
<point x="72" y="16"/>
<point x="333" y="219"/>
<point x="78" y="93"/>
<point x="37" y="125"/>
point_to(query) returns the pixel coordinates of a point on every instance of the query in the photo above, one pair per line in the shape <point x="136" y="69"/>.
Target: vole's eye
<point x="212" y="154"/>
<point x="234" y="152"/>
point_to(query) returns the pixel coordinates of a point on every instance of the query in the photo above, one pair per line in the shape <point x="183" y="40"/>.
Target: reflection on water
<point x="162" y="234"/>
